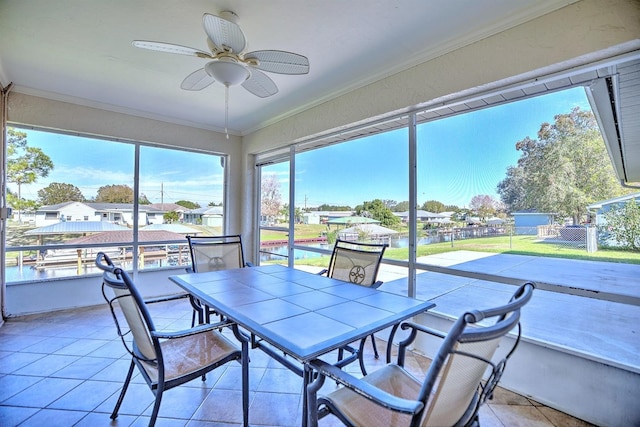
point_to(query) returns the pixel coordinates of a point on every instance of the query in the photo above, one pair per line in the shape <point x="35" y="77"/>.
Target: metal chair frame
<point x="346" y="264"/>
<point x="151" y="350"/>
<point x="453" y="389"/>
<point x="227" y="248"/>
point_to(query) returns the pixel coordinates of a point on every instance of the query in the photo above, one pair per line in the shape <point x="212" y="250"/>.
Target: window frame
<point x="134" y="244"/>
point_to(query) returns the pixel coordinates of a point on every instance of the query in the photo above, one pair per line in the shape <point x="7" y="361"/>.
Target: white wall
<point x="62" y="294"/>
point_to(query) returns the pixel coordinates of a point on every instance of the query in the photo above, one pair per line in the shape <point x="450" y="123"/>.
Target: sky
<point x="458" y="158"/>
<point x="167" y="176"/>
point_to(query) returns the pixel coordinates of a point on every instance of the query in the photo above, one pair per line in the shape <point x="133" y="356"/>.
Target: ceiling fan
<point x="228" y="63"/>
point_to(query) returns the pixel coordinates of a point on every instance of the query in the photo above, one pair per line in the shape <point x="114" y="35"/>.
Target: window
<point x="274" y="213"/>
<point x="351" y="191"/>
<point x="181" y="193"/>
<point x="94" y="178"/>
<point x="464" y="157"/>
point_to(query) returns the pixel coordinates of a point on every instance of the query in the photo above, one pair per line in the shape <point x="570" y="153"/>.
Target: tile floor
<point x="66" y="369"/>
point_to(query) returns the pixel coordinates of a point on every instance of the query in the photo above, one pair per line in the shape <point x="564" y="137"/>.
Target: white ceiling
<point x="80" y="50"/>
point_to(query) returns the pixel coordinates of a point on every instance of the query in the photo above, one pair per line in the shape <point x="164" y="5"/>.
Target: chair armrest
<point x="365" y="389"/>
<point x="192" y="331"/>
<point x="402" y="345"/>
<point x="422" y="328"/>
<point x="166" y="298"/>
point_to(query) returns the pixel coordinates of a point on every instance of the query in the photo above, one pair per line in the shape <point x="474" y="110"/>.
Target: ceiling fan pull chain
<point x="226" y="110"/>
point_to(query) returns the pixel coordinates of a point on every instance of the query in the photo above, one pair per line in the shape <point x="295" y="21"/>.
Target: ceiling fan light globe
<point x="227" y="73"/>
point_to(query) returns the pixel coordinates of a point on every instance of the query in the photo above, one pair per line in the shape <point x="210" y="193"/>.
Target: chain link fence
<point x="575" y="237"/>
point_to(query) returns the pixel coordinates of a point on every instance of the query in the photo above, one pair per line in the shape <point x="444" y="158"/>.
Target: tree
<point x="433" y="206"/>
<point x="562" y="171"/>
<point x="512" y="189"/>
<point x="401" y="206"/>
<point x="187" y="204"/>
<point x="326" y="207"/>
<point x="58" y="192"/>
<point x="391" y="204"/>
<point x="484" y="205"/>
<point x="297" y="213"/>
<point x="117" y="193"/>
<point x="170" y="217"/>
<point x="143" y="199"/>
<point x="623" y="225"/>
<point x="24" y="166"/>
<point x="270" y="197"/>
<point x="376" y="209"/>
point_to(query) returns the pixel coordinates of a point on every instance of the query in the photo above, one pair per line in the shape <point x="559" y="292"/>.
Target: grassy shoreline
<point x="518" y="245"/>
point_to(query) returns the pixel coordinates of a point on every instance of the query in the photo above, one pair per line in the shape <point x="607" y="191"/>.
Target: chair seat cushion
<point x="392" y="379"/>
<point x="188" y="355"/>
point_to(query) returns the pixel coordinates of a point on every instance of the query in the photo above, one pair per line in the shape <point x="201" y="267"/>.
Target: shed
<point x="526" y="222"/>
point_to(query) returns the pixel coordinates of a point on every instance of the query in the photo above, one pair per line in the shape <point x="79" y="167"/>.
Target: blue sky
<point x="458" y="158"/>
<point x="166" y="175"/>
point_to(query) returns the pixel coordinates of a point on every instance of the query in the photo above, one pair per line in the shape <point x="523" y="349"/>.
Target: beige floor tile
<point x="561" y="419"/>
<point x="488" y="418"/>
<point x="502" y="396"/>
<point x="275" y="400"/>
<point x="520" y="416"/>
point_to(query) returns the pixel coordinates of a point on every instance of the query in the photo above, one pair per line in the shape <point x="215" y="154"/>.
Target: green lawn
<point x="521" y="245"/>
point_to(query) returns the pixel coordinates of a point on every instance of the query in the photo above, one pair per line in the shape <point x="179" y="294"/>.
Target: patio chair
<point x="453" y="389"/>
<point x="212" y="253"/>
<point x="166" y="359"/>
<point x="356" y="263"/>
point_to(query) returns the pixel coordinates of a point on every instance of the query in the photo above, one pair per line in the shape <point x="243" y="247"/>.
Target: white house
<point x="118" y="213"/>
<point x="598" y="209"/>
<point x="210" y="216"/>
<point x="311" y="218"/>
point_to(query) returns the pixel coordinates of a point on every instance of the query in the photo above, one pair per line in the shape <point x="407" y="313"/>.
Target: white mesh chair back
<point x="211" y="253"/>
<point x="453" y="389"/>
<point x="356" y="262"/>
<point x="458" y="382"/>
<point x="462" y="375"/>
<point x="127" y="303"/>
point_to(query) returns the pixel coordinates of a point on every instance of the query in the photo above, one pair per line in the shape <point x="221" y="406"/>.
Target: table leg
<point x="245" y="373"/>
<point x="311" y="392"/>
<point x="307" y="375"/>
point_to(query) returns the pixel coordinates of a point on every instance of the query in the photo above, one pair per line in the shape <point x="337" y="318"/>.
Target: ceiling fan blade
<point x="279" y="61"/>
<point x="224" y="33"/>
<point x="260" y="84"/>
<point x="197" y="80"/>
<point x="171" y="48"/>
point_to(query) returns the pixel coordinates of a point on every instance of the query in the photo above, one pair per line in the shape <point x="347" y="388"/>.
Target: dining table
<point x="296" y="316"/>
